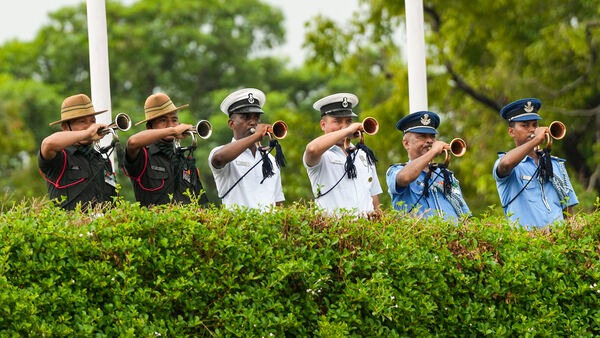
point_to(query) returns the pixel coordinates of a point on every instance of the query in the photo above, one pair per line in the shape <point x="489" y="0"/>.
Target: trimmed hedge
<point x="187" y="271"/>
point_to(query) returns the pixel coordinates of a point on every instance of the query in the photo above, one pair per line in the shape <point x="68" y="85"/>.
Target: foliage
<point x="187" y="271"/>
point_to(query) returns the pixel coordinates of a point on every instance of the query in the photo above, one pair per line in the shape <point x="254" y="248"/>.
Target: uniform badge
<point x="250" y="98"/>
<point x="528" y="108"/>
<point x="187" y="176"/>
<point x="345" y="103"/>
<point x="425" y="120"/>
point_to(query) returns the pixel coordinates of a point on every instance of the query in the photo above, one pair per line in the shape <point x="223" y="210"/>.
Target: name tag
<point x="336" y="161"/>
<point x="75" y="167"/>
<point x="242" y="163"/>
<point x="525" y="177"/>
<point x="157" y="168"/>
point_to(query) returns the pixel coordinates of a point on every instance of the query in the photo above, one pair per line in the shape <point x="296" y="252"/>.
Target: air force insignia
<point x="425" y="120"/>
<point x="528" y="108"/>
<point x="250" y="98"/>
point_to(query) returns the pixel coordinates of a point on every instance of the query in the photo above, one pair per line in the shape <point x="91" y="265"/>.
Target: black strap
<point x="346" y="168"/>
<point x="522" y="189"/>
<point x="246" y="173"/>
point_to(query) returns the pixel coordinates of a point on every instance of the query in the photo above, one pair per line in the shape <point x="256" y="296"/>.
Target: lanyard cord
<point x="423" y="193"/>
<point x="338" y="182"/>
<point x="247" y="172"/>
<point x="522" y="189"/>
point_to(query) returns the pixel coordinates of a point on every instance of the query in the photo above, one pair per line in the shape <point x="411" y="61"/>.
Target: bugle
<point x="203" y="129"/>
<point x="458" y="147"/>
<point x="370" y="126"/>
<point x="556" y="130"/>
<point x="278" y="130"/>
<point x="122" y="122"/>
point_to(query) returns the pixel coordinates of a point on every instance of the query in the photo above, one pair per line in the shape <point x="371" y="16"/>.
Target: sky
<point x="22" y="19"/>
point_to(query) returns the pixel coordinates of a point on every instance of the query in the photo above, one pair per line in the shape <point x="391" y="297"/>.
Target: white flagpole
<point x="99" y="70"/>
<point x="416" y="57"/>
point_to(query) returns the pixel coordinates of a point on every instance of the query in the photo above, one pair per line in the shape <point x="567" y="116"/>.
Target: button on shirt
<point x="411" y="198"/>
<point x="539" y="204"/>
<point x="352" y="195"/>
<point x="249" y="192"/>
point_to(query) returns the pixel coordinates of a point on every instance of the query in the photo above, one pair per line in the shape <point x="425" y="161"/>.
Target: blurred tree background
<point x="479" y="58"/>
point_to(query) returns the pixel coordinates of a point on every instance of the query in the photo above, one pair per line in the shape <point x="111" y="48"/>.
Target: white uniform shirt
<point x="249" y="192"/>
<point x="354" y="195"/>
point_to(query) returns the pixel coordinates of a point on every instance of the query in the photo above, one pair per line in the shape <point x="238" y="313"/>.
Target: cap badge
<point x="528" y="108"/>
<point x="250" y="98"/>
<point x="425" y="120"/>
<point x="345" y="103"/>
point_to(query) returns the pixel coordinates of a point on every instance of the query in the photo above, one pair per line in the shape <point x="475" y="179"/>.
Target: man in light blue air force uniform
<point x="534" y="187"/>
<point x="421" y="186"/>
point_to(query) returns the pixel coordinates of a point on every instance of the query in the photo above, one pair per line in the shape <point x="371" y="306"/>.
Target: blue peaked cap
<point x="422" y="122"/>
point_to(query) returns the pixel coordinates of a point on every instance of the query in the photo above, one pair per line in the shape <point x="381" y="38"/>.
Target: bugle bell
<point x="458" y="147"/>
<point x="277" y="130"/>
<point x="122" y="122"/>
<point x="203" y="129"/>
<point x="556" y="130"/>
<point x="370" y="126"/>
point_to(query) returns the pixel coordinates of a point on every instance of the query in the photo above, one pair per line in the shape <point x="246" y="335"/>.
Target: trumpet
<point x="203" y="129"/>
<point x="122" y="122"/>
<point x="458" y="147"/>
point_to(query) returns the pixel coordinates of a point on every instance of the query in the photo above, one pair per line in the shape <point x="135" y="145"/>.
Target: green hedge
<point x="186" y="271"/>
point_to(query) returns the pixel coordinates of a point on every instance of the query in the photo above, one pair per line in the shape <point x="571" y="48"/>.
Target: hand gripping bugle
<point x="370" y="126"/>
<point x="278" y="130"/>
<point x="203" y="129"/>
<point x="122" y="122"/>
<point x="458" y="147"/>
<point x="556" y="130"/>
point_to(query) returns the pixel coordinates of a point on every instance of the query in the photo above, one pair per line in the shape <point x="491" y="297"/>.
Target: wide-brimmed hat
<point x="157" y="105"/>
<point x="76" y="106"/>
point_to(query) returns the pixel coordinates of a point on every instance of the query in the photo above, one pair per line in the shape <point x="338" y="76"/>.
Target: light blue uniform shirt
<point x="409" y="197"/>
<point x="539" y="204"/>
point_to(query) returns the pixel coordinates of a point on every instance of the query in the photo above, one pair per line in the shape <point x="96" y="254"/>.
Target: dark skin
<point x="79" y="131"/>
<point x="528" y="135"/>
<point x="242" y="126"/>
<point x="421" y="149"/>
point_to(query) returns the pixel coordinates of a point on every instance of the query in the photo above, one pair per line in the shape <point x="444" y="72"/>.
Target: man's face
<point x="166" y="121"/>
<point x="80" y="123"/>
<point x="242" y="124"/>
<point x="334" y="123"/>
<point x="417" y="144"/>
<point x="521" y="131"/>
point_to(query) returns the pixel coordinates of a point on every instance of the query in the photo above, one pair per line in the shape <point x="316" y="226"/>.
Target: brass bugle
<point x="370" y="125"/>
<point x="458" y="147"/>
<point x="122" y="122"/>
<point x="278" y="130"/>
<point x="203" y="129"/>
<point x="556" y="130"/>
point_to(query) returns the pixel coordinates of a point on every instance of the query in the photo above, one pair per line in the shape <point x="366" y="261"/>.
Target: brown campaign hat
<point x="157" y="105"/>
<point x="76" y="106"/>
